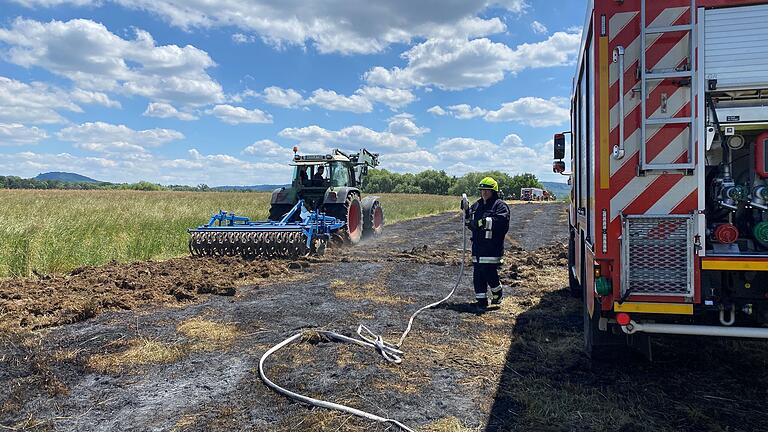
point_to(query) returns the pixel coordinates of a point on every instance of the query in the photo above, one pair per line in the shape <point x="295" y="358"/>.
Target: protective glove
<point x="464" y="202"/>
<point x="481" y="223"/>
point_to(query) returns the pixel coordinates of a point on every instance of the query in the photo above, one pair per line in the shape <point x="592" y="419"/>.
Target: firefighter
<point x="488" y="220"/>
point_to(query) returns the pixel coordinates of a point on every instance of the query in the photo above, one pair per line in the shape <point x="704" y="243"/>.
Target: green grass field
<point x="56" y="231"/>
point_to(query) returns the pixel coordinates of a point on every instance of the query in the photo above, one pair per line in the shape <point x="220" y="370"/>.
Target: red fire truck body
<point x="669" y="128"/>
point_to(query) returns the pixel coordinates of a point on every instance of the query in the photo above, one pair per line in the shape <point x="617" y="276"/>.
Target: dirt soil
<point x="175" y="346"/>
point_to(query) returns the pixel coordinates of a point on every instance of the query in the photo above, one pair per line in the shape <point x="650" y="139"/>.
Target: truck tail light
<point x="623" y="318"/>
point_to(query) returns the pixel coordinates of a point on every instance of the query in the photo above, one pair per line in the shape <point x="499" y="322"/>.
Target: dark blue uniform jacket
<point x="499" y="211"/>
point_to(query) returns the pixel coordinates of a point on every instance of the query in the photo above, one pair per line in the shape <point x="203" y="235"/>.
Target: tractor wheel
<point x="354" y="219"/>
<point x="373" y="219"/>
<point x="351" y="213"/>
<point x="276" y="211"/>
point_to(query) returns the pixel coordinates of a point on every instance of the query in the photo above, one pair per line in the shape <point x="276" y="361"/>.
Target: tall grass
<point x="56" y="231"/>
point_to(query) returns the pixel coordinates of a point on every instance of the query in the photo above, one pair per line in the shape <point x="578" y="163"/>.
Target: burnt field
<point x="174" y="345"/>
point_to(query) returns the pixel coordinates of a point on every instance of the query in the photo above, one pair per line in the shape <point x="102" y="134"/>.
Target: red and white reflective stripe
<point x="655" y="193"/>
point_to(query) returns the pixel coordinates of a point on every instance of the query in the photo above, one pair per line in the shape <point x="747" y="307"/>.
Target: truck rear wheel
<point x="574" y="287"/>
<point x="591" y="333"/>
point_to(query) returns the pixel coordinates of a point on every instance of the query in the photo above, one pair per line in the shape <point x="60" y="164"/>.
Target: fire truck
<point x="669" y="171"/>
<point x="531" y="194"/>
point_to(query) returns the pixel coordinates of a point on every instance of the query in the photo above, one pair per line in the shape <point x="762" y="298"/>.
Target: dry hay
<point x="376" y="292"/>
<point x="208" y="335"/>
<point x="447" y="424"/>
<point x="139" y="352"/>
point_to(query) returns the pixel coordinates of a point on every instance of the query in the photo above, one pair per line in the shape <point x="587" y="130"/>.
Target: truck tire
<point x="611" y="344"/>
<point x="591" y="328"/>
<point x="373" y="217"/>
<point x="574" y="287"/>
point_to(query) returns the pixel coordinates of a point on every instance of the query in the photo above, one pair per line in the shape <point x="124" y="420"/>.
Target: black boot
<point x="481" y="304"/>
<point x="496" y="295"/>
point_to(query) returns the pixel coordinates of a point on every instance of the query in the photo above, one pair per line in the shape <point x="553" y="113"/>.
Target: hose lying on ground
<point x="390" y="352"/>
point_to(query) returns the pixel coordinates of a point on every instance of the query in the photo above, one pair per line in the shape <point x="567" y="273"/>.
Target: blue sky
<point x="186" y="92"/>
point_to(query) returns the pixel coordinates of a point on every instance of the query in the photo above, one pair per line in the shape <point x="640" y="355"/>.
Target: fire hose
<point x="391" y="352"/>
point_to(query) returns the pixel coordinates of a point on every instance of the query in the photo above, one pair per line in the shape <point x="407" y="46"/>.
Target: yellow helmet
<point x="489" y="183"/>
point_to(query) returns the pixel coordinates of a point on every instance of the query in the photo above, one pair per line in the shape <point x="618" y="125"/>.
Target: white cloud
<point x="437" y="110"/>
<point x="268" y="149"/>
<point x="16" y="134"/>
<point x="97" y="98"/>
<point x="393" y="98"/>
<point x="105" y="137"/>
<point x="461" y="155"/>
<point x="512" y="140"/>
<point x="450" y="64"/>
<point x="196" y="168"/>
<point x="164" y="110"/>
<point x="560" y="49"/>
<point x="35" y="103"/>
<point x="96" y="59"/>
<point x="415" y="161"/>
<point x="328" y="25"/>
<point x="403" y="124"/>
<point x="240" y="38"/>
<point x="465" y="112"/>
<point x="352" y="138"/>
<point x="239" y="97"/>
<point x="539" y="28"/>
<point x="459" y="149"/>
<point x="333" y="101"/>
<point x="360" y="102"/>
<point x="518" y="6"/>
<point x="52" y="3"/>
<point x="286" y="98"/>
<point x="456" y="64"/>
<point x="533" y="111"/>
<point x="235" y="115"/>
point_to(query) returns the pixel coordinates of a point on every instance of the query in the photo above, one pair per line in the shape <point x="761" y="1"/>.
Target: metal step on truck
<point x="669" y="171"/>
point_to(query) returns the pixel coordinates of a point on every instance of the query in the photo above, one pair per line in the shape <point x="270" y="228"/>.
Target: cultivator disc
<point x="249" y="244"/>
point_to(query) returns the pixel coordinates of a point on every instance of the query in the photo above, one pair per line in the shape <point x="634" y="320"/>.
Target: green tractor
<point x="331" y="184"/>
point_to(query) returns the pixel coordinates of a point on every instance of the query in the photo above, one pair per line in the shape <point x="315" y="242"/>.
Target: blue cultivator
<point x="228" y="234"/>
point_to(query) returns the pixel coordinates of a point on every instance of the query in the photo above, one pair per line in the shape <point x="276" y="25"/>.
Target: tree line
<point x="377" y="181"/>
<point x="439" y="183"/>
<point x="13" y="182"/>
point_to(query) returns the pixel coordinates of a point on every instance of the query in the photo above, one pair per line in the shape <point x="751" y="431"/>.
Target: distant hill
<point x="561" y="190"/>
<point x="254" y="188"/>
<point x="65" y="177"/>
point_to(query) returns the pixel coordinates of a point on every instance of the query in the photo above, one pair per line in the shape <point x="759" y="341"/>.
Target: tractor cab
<point x="314" y="175"/>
